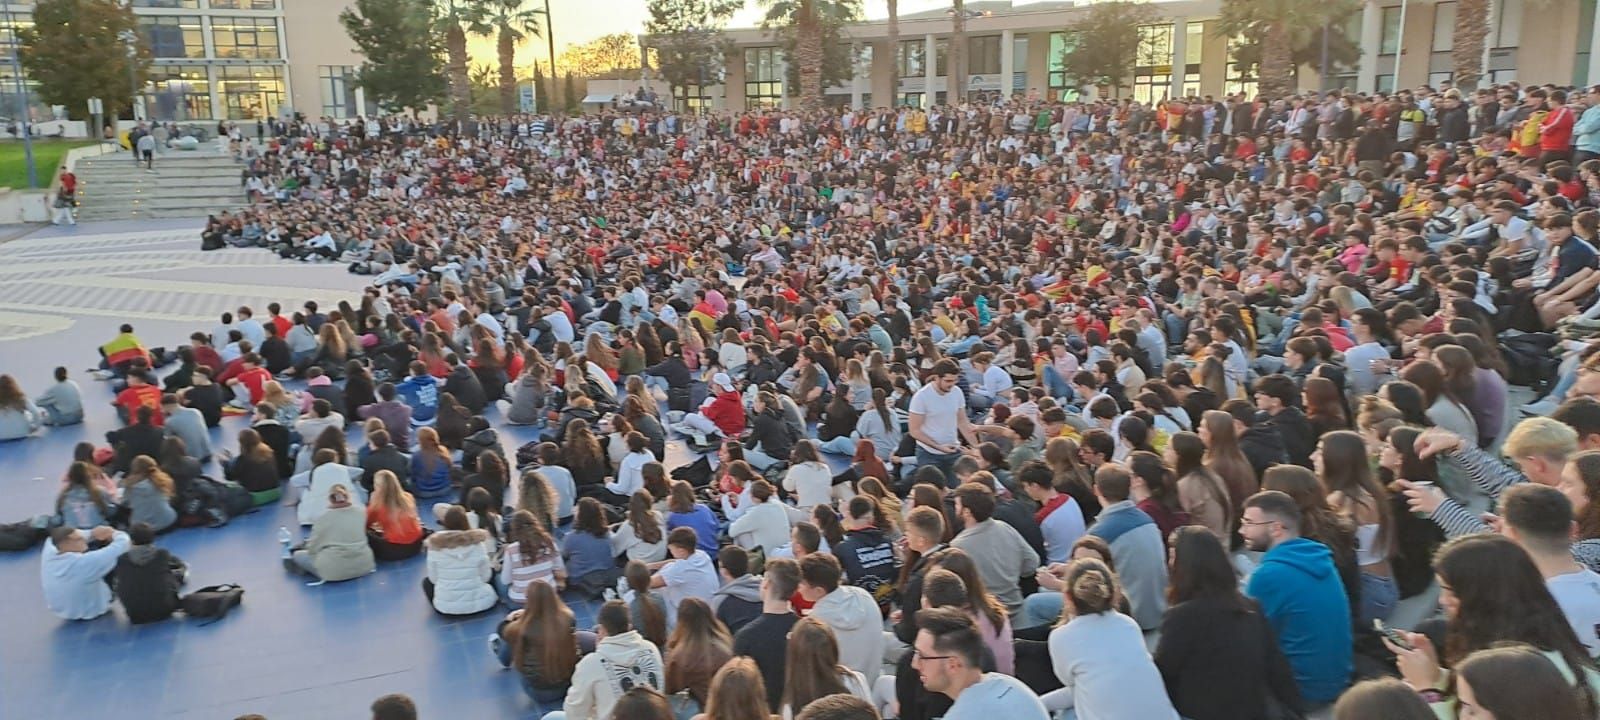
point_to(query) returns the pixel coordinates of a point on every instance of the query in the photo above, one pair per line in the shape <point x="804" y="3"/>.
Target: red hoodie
<point x="727" y="412"/>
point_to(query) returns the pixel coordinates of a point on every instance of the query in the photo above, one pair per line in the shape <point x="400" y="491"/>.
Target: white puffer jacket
<point x="460" y="571"/>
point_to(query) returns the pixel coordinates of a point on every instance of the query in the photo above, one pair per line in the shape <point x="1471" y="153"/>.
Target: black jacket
<point x="769" y="432"/>
<point x="254" y="476"/>
<point x="276" y="354"/>
<point x="208" y="400"/>
<point x="135" y="440"/>
<point x="1263" y="448"/>
<point x="868" y="560"/>
<point x="911" y="597"/>
<point x="463" y="383"/>
<point x="1221" y="662"/>
<point x="388" y="458"/>
<point x="1019" y="515"/>
<point x="147" y="584"/>
<point x="1299" y="439"/>
<point x="276" y="436"/>
<point x="673" y="369"/>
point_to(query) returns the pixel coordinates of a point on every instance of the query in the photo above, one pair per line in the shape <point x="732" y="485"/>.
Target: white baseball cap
<point x="723" y="381"/>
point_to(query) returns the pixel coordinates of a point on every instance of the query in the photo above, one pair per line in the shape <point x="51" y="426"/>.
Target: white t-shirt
<point x="939" y="413"/>
<point x="691" y="577"/>
<point x="1578" y="594"/>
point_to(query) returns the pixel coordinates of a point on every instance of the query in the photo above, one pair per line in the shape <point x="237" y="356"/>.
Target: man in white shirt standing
<point x="938" y="420"/>
<point x="1539" y="518"/>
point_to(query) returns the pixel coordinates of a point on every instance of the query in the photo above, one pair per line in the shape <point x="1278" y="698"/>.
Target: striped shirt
<point x="518" y="571"/>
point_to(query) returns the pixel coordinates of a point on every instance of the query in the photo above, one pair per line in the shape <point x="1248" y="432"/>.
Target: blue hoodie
<point x="422" y="394"/>
<point x="1300" y="592"/>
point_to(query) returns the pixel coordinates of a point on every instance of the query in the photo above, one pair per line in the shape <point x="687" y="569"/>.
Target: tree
<point x="1278" y="36"/>
<point x="485" y="88"/>
<point x="570" y="91"/>
<point x="511" y="21"/>
<point x="456" y="19"/>
<point x="687" y="39"/>
<point x="608" y="57"/>
<point x="73" y="50"/>
<point x="1471" y="33"/>
<point x="811" y="33"/>
<point x="1105" y="43"/>
<point x="401" y="67"/>
<point x="894" y="48"/>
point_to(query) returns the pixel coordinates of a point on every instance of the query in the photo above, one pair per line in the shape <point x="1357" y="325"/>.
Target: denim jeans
<point x="842" y="445"/>
<point x="1040" y="608"/>
<point x="1054" y="384"/>
<point x="944" y="461"/>
<point x="1378" y="597"/>
<point x="56" y="418"/>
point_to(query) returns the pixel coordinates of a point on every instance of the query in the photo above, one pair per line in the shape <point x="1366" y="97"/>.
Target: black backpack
<point x="213" y="601"/>
<point x="20" y="536"/>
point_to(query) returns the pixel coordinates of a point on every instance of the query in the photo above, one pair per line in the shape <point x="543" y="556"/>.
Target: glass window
<point x="1444" y="26"/>
<point x="1587" y="11"/>
<point x="172" y="36"/>
<point x="909" y="99"/>
<point x="1061" y="43"/>
<point x="251" y="92"/>
<point x="1194" y="45"/>
<point x="245" y="37"/>
<point x="983" y="55"/>
<point x="691" y="98"/>
<point x="1389" y="40"/>
<point x="911" y="58"/>
<point x="1152" y="87"/>
<point x="243" y="4"/>
<point x="338" y="91"/>
<point x="1385" y="83"/>
<point x="1155" y="46"/>
<point x="941" y="48"/>
<point x="167" y="3"/>
<point x="763" y="77"/>
<point x="1507" y="30"/>
<point x="177" y="93"/>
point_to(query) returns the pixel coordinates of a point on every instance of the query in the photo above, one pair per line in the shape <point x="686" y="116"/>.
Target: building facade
<point x="229" y="59"/>
<point x="1019" y="48"/>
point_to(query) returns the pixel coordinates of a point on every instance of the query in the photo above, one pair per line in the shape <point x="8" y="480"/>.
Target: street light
<point x="131" y="39"/>
<point x="22" y="99"/>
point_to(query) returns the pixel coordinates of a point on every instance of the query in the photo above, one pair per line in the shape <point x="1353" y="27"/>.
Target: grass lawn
<point x="47" y="156"/>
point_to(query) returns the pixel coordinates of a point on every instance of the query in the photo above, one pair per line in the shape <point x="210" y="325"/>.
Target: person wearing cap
<point x="720" y="415"/>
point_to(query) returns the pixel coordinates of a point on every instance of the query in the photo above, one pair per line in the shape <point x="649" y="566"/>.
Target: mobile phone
<point x="1391" y="634"/>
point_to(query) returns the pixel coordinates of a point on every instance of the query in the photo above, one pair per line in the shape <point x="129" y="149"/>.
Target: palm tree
<point x="512" y="21"/>
<point x="894" y="52"/>
<point x="956" y="53"/>
<point x="1471" y="33"/>
<point x="805" y="18"/>
<point x="457" y="18"/>
<point x="1273" y="23"/>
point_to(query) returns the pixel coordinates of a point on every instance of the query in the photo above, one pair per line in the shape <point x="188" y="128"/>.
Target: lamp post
<point x="22" y="100"/>
<point x="130" y="39"/>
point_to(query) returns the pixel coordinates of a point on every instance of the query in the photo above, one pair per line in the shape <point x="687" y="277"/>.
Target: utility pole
<point x="22" y="99"/>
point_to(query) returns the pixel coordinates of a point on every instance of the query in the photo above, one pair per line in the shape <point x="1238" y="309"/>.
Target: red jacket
<point x="727" y="412"/>
<point x="1555" y="133"/>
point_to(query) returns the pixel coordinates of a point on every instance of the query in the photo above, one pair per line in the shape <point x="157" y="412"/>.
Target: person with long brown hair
<point x="737" y="693"/>
<point x="530" y="557"/>
<point x="581" y="453"/>
<point x="641" y="535"/>
<point x="19" y="416"/>
<point x="1353" y="492"/>
<point x="699" y="645"/>
<point x="812" y="669"/>
<point x="1324" y="406"/>
<point x="147" y="492"/>
<point x="1224" y="457"/>
<point x="394" y="531"/>
<point x="542" y="643"/>
<point x="1201" y="492"/>
<point x="83" y="503"/>
<point x="1071" y="477"/>
<point x="255" y="468"/>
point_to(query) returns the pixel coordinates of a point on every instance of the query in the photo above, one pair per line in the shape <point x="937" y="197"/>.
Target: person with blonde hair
<point x="393" y="528"/>
<point x="1539" y="446"/>
<point x="147" y="492"/>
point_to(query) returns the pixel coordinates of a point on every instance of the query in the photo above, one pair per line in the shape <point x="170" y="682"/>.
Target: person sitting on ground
<point x="19" y="416"/>
<point x="948" y="655"/>
<point x="147" y="493"/>
<point x="326" y="473"/>
<point x="851" y="612"/>
<point x="431" y="466"/>
<point x="621" y="659"/>
<point x="148" y="578"/>
<point x="531" y="557"/>
<point x="337" y="549"/>
<point x="393" y="528"/>
<point x="700" y="644"/>
<point x="687" y="573"/>
<point x="738" y="601"/>
<point x="541" y="642"/>
<point x="189" y="425"/>
<point x="586" y="550"/>
<point x="143" y="437"/>
<point x="74" y="576"/>
<point x="88" y="497"/>
<point x="383" y="456"/>
<point x="396" y="415"/>
<point x="459" y="569"/>
<point x="62" y="402"/>
<point x="255" y="468"/>
<point x="815" y="666"/>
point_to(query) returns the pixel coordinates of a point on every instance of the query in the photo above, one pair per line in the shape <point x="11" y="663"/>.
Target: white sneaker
<point x="1540" y="408"/>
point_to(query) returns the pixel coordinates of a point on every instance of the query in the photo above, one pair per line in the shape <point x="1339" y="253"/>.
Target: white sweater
<point x="1106" y="671"/>
<point x="764" y="525"/>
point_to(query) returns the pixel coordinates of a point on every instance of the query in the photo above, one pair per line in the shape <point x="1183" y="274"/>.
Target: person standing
<point x="147" y="151"/>
<point x="938" y="420"/>
<point x="74" y="576"/>
<point x="1299" y="591"/>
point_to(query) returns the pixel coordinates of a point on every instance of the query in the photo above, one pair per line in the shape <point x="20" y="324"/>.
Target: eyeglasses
<point x="1253" y="523"/>
<point x="917" y="655"/>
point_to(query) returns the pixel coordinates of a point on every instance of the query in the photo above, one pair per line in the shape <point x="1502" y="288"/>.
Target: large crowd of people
<point x="1054" y="409"/>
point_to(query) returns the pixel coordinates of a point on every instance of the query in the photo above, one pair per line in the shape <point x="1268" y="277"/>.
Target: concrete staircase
<point x="184" y="185"/>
